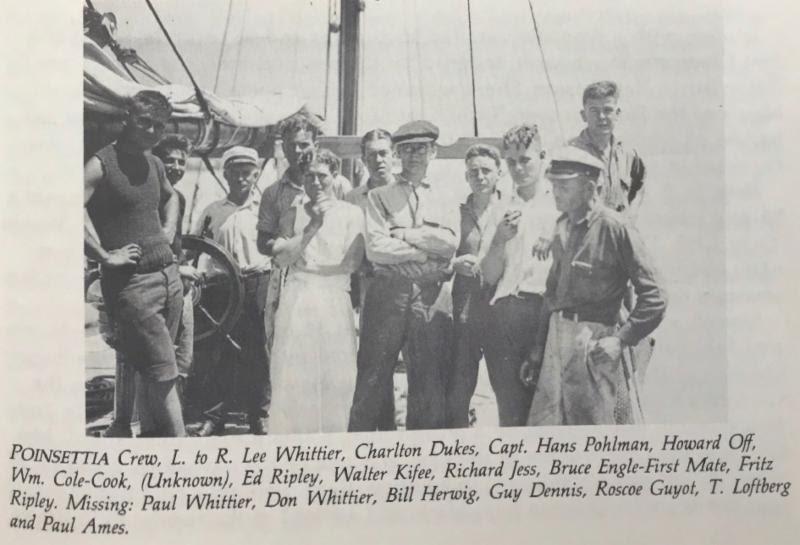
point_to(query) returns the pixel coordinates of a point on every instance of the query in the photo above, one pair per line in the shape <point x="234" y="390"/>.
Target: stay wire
<point x="328" y="59"/>
<point x="239" y="48"/>
<point x="472" y="71"/>
<point x="546" y="70"/>
<point x="222" y="45"/>
<point x="198" y="92"/>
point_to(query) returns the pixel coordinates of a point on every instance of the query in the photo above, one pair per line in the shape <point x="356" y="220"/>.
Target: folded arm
<point x="381" y="246"/>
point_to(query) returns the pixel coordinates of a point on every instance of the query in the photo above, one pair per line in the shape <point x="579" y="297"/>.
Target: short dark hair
<point x="301" y="121"/>
<point x="171" y="142"/>
<point x="151" y="102"/>
<point x="374" y="134"/>
<point x="327" y="157"/>
<point x="522" y="136"/>
<point x="601" y="89"/>
<point x="483" y="150"/>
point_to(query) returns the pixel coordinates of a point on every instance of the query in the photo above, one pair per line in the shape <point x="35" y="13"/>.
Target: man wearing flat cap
<point x="412" y="234"/>
<point x="231" y="222"/>
<point x="595" y="253"/>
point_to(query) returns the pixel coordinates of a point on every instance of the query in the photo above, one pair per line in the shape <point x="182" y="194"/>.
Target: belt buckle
<point x="570" y="316"/>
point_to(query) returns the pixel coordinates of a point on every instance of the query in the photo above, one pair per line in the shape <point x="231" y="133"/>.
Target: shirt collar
<point x="401" y="180"/>
<point x="494" y="198"/>
<point x="590" y="216"/>
<point x="287" y="180"/>
<point x="587" y="142"/>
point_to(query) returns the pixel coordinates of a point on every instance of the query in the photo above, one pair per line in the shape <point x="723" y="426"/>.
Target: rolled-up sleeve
<point x="651" y="299"/>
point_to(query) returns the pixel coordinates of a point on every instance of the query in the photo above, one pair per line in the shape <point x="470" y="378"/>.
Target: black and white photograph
<point x="312" y="217"/>
<point x="399" y="271"/>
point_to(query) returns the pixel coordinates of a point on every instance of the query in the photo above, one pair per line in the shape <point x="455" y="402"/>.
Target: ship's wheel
<point x="219" y="296"/>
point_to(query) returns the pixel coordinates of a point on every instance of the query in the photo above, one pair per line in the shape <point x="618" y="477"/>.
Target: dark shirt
<point x="592" y="262"/>
<point x="619" y="184"/>
<point x="125" y="206"/>
<point x="276" y="212"/>
<point x="468" y="289"/>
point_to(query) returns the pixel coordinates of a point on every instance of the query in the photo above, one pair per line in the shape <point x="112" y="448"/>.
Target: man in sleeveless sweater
<point x="126" y="193"/>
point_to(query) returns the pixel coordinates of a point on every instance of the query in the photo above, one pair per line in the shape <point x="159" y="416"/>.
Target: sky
<point x="667" y="58"/>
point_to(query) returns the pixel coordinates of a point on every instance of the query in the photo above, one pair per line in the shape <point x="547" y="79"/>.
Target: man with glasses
<point x="131" y="216"/>
<point x="231" y="222"/>
<point x="412" y="234"/>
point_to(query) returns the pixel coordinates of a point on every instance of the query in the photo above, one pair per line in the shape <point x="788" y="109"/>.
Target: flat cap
<point x="570" y="162"/>
<point x="416" y="131"/>
<point x="240" y="154"/>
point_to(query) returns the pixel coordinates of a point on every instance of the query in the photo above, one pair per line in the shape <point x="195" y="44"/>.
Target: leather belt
<point x="528" y="294"/>
<point x="573" y="316"/>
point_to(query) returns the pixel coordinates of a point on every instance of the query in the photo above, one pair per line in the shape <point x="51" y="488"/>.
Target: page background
<point x="41" y="337"/>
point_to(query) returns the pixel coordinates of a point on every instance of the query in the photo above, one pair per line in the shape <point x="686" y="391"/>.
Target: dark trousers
<point x="470" y="327"/>
<point x="240" y="378"/>
<point x="386" y="419"/>
<point x="510" y="335"/>
<point x="398" y="311"/>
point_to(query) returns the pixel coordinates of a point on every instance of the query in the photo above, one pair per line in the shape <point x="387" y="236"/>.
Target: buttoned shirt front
<point x="233" y="226"/>
<point x="615" y="181"/>
<point x="593" y="259"/>
<point x="522" y="271"/>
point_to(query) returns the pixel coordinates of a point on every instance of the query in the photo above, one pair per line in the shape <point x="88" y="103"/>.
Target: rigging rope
<point x="419" y="61"/>
<point x="408" y="69"/>
<point x="200" y="98"/>
<point x="362" y="62"/>
<point x="328" y="59"/>
<point x="546" y="71"/>
<point x="222" y="45"/>
<point x="239" y="48"/>
<point x="472" y="71"/>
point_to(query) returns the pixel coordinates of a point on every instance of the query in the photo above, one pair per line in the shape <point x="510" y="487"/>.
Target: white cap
<point x="240" y="154"/>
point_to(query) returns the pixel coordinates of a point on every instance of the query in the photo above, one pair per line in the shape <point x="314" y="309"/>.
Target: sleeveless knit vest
<point x="125" y="206"/>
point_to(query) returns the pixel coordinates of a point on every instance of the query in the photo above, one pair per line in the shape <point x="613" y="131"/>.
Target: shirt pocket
<point x="590" y="279"/>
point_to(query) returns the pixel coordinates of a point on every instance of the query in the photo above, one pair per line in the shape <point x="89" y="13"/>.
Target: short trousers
<point x="147" y="310"/>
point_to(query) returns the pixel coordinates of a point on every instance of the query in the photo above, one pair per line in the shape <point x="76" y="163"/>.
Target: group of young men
<point x="549" y="285"/>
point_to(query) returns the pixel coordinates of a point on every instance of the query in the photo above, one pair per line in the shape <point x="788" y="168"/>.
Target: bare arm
<point x="493" y="262"/>
<point x="127" y="255"/>
<point x="92" y="177"/>
<point x="266" y="242"/>
<point x="170" y="206"/>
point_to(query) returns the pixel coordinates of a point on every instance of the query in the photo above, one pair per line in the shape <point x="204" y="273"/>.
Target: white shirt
<point x="234" y="228"/>
<point x="522" y="272"/>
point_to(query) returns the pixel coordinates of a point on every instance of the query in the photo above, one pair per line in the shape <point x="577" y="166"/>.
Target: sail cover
<point x="234" y="121"/>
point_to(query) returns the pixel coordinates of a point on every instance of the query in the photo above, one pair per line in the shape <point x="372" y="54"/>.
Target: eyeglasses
<point x="413" y="148"/>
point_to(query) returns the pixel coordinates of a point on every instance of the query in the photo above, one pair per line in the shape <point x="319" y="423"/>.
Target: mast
<point x="348" y="73"/>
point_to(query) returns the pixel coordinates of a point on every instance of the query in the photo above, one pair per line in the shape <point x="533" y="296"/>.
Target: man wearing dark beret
<point x="412" y="234"/>
<point x="596" y="252"/>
